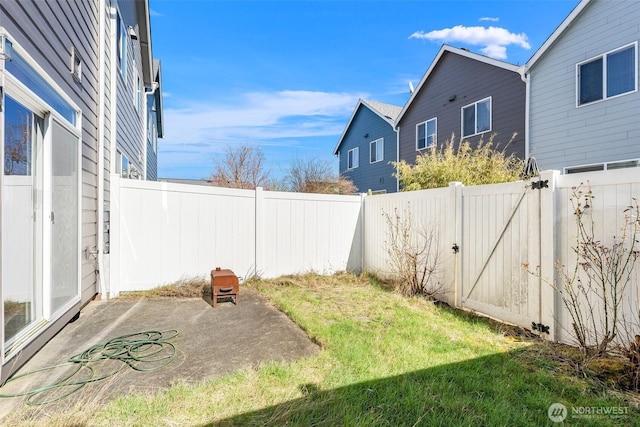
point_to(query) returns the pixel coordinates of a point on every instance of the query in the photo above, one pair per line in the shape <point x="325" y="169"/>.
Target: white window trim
<point x="426" y="136"/>
<point x="355" y="157"/>
<point x="475" y="105"/>
<point x="605" y="166"/>
<point x="377" y="141"/>
<point x="137" y="101"/>
<point x="604" y="75"/>
<point x="122" y="50"/>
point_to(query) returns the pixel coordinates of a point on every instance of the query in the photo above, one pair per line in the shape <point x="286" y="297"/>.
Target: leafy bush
<point x="437" y="167"/>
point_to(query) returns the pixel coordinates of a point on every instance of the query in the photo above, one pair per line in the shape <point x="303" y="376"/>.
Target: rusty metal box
<point x="224" y="284"/>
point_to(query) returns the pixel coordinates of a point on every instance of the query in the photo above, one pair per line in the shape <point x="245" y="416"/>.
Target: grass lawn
<point x="387" y="360"/>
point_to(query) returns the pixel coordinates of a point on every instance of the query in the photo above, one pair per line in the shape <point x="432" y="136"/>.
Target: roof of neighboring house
<point x="387" y="112"/>
<point x="557" y="33"/>
<point x="458" y="51"/>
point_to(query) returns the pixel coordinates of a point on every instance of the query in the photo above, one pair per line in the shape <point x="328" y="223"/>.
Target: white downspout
<point x="526" y="78"/>
<point x="396" y="129"/>
<point x="101" y="136"/>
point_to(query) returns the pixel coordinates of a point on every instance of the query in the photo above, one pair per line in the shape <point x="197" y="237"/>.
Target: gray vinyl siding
<point x="108" y="137"/>
<point x="47" y="30"/>
<point x="152" y="156"/>
<point x="130" y="138"/>
<point x="469" y="81"/>
<point x="562" y="134"/>
<point x="369" y="176"/>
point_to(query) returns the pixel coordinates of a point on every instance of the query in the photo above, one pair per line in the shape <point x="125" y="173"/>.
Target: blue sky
<point x="285" y="76"/>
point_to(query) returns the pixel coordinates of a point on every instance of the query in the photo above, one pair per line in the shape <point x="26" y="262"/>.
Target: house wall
<point x="47" y="31"/>
<point x="152" y="140"/>
<point x="130" y="123"/>
<point x="370" y="176"/>
<point x="470" y="81"/>
<point x="562" y="134"/>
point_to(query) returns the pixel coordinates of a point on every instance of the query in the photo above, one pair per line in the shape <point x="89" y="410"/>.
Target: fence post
<point x="259" y="229"/>
<point x="114" y="236"/>
<point x="453" y="263"/>
<point x="361" y="234"/>
<point x="548" y="298"/>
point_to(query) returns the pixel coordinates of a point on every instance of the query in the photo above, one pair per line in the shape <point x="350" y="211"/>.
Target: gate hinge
<point x="539" y="185"/>
<point x="543" y="329"/>
<point x="455" y="248"/>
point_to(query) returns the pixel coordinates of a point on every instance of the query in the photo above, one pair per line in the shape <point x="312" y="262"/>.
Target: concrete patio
<point x="210" y="343"/>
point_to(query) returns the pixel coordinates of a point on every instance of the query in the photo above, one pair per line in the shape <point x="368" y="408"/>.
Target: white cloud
<point x="489" y="18"/>
<point x="261" y="116"/>
<point x="196" y="131"/>
<point x="493" y="39"/>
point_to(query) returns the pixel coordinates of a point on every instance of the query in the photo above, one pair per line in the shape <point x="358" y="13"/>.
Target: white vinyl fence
<point x="163" y="232"/>
<point x="498" y="245"/>
<point x="509" y="240"/>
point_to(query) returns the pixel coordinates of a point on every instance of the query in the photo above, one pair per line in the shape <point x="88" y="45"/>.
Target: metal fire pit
<point x="224" y="284"/>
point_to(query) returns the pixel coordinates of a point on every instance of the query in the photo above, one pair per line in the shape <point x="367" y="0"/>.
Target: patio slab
<point x="210" y="343"/>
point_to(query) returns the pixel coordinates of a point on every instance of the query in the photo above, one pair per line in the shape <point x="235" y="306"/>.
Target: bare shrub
<point x="413" y="255"/>
<point x="593" y="291"/>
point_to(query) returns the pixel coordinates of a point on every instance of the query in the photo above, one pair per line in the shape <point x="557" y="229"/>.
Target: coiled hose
<point x="142" y="351"/>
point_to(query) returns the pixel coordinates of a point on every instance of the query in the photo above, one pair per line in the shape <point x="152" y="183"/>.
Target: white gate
<point x="501" y="245"/>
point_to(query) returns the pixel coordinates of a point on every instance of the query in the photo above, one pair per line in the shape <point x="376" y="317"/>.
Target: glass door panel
<point x="64" y="216"/>
<point x="21" y="221"/>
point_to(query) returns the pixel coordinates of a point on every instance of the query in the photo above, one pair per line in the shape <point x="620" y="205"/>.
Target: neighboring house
<point x="155" y="127"/>
<point x="467" y="95"/>
<point x="367" y="147"/>
<point x="73" y="77"/>
<point x="584" y="105"/>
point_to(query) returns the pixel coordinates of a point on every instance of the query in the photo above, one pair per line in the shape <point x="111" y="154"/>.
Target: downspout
<point x="396" y="129"/>
<point x="101" y="136"/>
<point x="524" y="75"/>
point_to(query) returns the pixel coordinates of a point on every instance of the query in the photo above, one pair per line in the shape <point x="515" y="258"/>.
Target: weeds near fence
<point x="413" y="254"/>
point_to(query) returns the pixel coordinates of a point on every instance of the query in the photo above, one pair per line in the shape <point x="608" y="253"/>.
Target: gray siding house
<point x="467" y="95"/>
<point x="367" y="147"/>
<point x="584" y="105"/>
<point x="72" y="78"/>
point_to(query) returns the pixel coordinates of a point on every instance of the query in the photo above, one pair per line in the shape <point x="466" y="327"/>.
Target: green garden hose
<point x="142" y="351"/>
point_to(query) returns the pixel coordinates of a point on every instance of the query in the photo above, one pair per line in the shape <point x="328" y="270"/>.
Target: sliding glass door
<point x="22" y="220"/>
<point x="64" y="216"/>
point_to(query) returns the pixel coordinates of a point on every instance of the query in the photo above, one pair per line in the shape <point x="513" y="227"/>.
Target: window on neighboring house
<point x="352" y="158"/>
<point x="608" y="75"/>
<point x="121" y="45"/>
<point x="376" y="150"/>
<point x="603" y="166"/>
<point x="426" y="134"/>
<point x="476" y="118"/>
